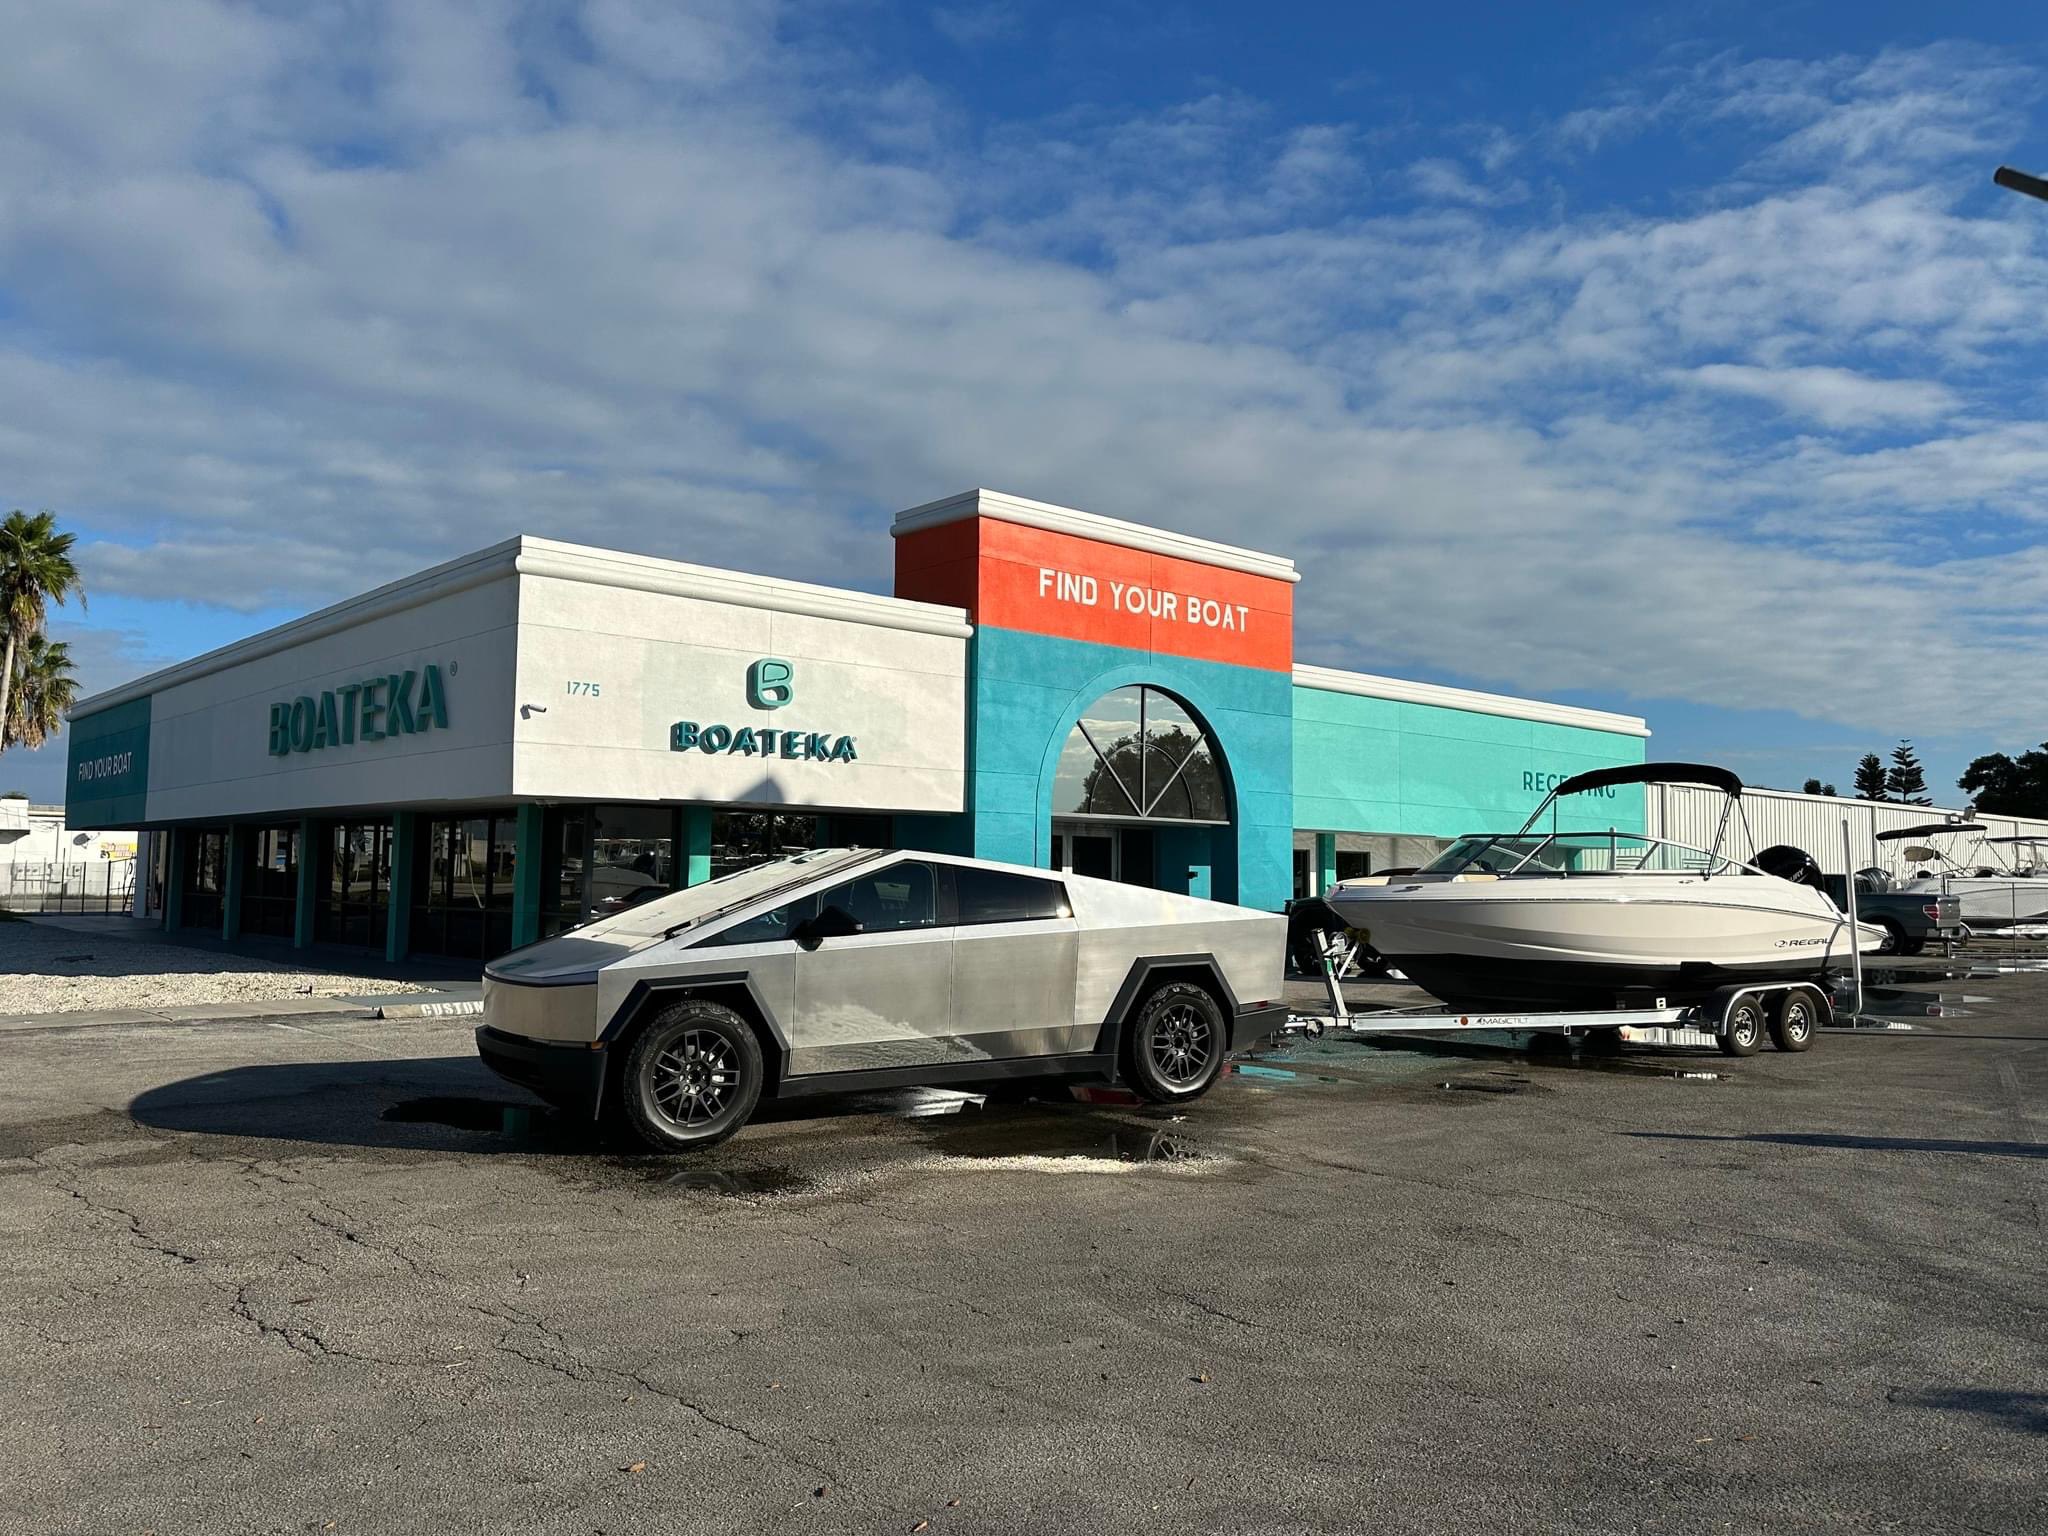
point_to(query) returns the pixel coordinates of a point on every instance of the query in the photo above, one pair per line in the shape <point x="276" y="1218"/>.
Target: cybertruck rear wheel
<point x="692" y="1077"/>
<point x="1174" y="1048"/>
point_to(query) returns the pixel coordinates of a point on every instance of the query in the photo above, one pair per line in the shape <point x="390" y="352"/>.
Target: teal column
<point x="1326" y="862"/>
<point x="231" y="892"/>
<point x="526" y="863"/>
<point x="174" y="878"/>
<point x="696" y="844"/>
<point x="398" y="917"/>
<point x="308" y="894"/>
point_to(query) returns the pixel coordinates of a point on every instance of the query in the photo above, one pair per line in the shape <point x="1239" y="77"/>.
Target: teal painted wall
<point x="107" y="783"/>
<point x="1027" y="691"/>
<point x="1384" y="765"/>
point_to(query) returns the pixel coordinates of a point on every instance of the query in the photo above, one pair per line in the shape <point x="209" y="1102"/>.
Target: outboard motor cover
<point x="1790" y="863"/>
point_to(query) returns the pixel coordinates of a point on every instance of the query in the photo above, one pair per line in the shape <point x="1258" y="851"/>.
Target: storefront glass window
<point x="270" y="881"/>
<point x="462" y="896"/>
<point x="1137" y="752"/>
<point x="632" y="855"/>
<point x="354" y="884"/>
<point x="205" y="882"/>
<point x="742" y="839"/>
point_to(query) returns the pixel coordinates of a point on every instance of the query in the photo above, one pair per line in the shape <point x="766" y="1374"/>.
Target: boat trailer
<point x="1737" y="1017"/>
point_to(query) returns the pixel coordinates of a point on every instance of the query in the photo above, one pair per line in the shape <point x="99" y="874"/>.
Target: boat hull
<point x="1593" y="941"/>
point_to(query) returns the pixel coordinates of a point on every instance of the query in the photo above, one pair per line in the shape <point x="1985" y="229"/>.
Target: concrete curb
<point x="461" y="1008"/>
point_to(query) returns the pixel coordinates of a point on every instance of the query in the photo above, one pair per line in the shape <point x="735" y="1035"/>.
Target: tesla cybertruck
<point x="848" y="968"/>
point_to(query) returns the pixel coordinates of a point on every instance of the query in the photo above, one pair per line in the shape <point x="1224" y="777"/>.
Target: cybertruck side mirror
<point x="832" y="923"/>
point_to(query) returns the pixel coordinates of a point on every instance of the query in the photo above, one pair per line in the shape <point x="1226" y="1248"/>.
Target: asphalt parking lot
<point x="327" y="1274"/>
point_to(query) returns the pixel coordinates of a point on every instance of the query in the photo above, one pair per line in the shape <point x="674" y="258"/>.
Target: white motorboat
<point x="1589" y="919"/>
<point x="2008" y="895"/>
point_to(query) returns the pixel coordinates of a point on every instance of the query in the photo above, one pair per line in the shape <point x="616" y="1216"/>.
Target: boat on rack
<point x="2011" y="893"/>
<point x="1578" y="919"/>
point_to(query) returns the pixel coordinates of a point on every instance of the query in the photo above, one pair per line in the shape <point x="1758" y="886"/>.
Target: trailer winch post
<point x="1855" y="933"/>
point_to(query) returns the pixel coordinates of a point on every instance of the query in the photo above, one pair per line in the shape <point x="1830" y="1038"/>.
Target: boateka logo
<point x="374" y="709"/>
<point x="771" y="683"/>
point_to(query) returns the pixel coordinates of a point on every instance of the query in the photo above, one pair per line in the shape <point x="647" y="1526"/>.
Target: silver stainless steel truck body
<point x="853" y="967"/>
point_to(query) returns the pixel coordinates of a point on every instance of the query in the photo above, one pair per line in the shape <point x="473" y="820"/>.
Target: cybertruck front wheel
<point x="692" y="1077"/>
<point x="1174" y="1048"/>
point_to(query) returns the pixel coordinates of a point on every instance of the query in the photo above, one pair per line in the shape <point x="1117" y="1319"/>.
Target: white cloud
<point x="1834" y="397"/>
<point x="697" y="283"/>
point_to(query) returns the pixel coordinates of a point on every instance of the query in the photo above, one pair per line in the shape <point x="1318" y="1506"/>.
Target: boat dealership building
<point x="494" y="749"/>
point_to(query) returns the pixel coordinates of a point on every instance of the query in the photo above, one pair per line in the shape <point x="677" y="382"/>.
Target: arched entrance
<point x="1141" y="793"/>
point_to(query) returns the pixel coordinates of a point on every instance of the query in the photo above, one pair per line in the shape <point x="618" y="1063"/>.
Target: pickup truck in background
<point x="1911" y="922"/>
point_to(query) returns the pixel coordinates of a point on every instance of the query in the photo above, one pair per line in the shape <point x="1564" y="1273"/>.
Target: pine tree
<point x="1906" y="780"/>
<point x="1871" y="783"/>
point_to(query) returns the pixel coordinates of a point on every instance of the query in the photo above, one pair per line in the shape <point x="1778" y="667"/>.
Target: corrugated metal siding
<point x="1686" y="814"/>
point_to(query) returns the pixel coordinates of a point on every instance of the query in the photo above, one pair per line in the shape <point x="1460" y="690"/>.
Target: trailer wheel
<point x="1797" y="1017"/>
<point x="1603" y="1041"/>
<point x="1742" y="1032"/>
<point x="692" y="1077"/>
<point x="1174" y="1048"/>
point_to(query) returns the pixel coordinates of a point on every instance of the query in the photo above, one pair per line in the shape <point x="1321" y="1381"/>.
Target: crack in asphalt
<point x="313" y="1344"/>
<point x="1188" y="1298"/>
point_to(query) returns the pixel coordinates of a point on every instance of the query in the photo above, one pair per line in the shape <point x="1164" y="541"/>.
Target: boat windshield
<point x="1575" y="853"/>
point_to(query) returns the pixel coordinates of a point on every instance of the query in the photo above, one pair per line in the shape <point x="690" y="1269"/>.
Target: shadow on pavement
<point x="1860" y="1143"/>
<point x="2024" y="1411"/>
<point x="455" y="1103"/>
<point x="425" y="1103"/>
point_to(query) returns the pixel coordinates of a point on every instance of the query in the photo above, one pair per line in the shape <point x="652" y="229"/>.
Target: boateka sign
<point x="374" y="709"/>
<point x="771" y="684"/>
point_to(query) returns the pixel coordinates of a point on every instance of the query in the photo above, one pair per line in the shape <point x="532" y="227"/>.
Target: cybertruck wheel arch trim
<point x="1109" y="1042"/>
<point x="650" y="989"/>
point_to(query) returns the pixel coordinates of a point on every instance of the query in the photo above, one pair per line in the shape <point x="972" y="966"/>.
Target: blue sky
<point x="1676" y="359"/>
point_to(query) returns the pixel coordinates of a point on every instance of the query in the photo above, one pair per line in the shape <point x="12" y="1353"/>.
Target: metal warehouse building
<point x="493" y="749"/>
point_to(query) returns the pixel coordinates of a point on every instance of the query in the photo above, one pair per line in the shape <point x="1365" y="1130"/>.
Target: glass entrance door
<point x="1103" y="850"/>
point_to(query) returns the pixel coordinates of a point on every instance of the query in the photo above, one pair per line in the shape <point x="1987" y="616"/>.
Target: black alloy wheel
<point x="1174" y="1049"/>
<point x="692" y="1077"/>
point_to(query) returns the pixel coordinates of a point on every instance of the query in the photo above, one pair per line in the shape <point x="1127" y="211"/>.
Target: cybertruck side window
<point x="767" y="927"/>
<point x="902" y="896"/>
<point x="994" y="896"/>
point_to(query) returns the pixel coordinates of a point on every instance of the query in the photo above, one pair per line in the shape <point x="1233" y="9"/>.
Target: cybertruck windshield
<point x="701" y="903"/>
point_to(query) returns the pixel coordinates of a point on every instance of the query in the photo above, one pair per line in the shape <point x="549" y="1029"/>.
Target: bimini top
<point x="1936" y="828"/>
<point x="2032" y="837"/>
<point x="1651" y="773"/>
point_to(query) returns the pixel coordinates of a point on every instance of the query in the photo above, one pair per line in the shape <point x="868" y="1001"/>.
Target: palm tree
<point x="43" y="690"/>
<point x="35" y="571"/>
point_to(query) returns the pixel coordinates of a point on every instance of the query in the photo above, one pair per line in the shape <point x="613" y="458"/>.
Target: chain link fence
<point x="103" y="886"/>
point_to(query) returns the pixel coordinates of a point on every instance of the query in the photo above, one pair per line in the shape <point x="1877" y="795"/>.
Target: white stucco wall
<point x="661" y="642"/>
<point x="648" y="642"/>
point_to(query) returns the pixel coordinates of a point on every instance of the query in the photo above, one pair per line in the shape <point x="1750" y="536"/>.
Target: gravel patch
<point x="61" y="970"/>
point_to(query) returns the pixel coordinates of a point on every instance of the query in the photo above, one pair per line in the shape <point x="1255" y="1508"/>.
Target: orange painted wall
<point x="997" y="571"/>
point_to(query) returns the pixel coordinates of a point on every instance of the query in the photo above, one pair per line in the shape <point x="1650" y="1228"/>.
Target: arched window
<point x="1136" y="753"/>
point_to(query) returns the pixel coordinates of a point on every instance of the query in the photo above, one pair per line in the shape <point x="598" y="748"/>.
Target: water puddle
<point x="1263" y="1073"/>
<point x="745" y="1183"/>
<point x="1898" y="1003"/>
<point x="1630" y="1067"/>
<point x="1062" y="1137"/>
